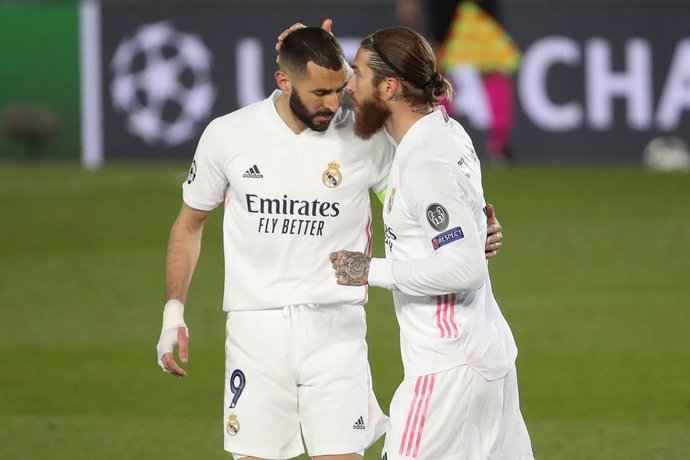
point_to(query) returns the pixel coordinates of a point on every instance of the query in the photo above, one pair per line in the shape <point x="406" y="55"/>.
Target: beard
<point x="372" y="115"/>
<point x="302" y="113"/>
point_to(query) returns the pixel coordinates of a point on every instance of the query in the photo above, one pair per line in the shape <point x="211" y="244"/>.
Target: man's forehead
<point x="324" y="78"/>
<point x="361" y="59"/>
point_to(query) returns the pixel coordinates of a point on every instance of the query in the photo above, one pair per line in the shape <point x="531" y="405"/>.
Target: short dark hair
<point x="310" y="44"/>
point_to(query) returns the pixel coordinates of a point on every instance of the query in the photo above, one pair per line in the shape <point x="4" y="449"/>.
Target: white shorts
<point x="458" y="415"/>
<point x="299" y="372"/>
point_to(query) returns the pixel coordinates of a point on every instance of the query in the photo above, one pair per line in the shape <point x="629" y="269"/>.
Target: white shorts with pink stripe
<point x="458" y="415"/>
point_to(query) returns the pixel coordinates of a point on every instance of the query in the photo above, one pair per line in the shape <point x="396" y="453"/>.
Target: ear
<point x="389" y="87"/>
<point x="283" y="81"/>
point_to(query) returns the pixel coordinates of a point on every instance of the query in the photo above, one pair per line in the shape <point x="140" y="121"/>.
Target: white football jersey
<point x="435" y="232"/>
<point x="290" y="200"/>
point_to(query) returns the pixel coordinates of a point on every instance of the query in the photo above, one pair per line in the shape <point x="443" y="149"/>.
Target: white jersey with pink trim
<point x="290" y="200"/>
<point x="435" y="228"/>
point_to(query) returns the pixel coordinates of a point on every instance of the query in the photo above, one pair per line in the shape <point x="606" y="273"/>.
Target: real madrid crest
<point x="332" y="177"/>
<point x="391" y="197"/>
<point x="233" y="425"/>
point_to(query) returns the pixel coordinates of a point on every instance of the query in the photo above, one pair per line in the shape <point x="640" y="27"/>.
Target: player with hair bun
<point x="459" y="397"/>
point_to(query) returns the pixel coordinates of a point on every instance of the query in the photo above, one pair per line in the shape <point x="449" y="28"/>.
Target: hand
<point x="327" y="25"/>
<point x="351" y="268"/>
<point x="494" y="236"/>
<point x="166" y="360"/>
<point x="174" y="332"/>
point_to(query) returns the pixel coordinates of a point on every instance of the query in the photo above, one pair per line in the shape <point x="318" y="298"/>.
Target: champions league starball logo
<point x="161" y="83"/>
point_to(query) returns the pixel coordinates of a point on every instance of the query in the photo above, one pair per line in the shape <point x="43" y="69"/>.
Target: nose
<point x="332" y="102"/>
<point x="350" y="87"/>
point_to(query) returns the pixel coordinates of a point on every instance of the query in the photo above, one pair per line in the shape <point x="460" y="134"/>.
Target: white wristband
<point x="173" y="314"/>
<point x="173" y="318"/>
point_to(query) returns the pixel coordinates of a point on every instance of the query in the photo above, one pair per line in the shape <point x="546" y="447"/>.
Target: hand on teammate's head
<point x="327" y="25"/>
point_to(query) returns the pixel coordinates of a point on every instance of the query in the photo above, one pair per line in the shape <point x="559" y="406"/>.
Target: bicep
<point x="190" y="220"/>
<point x="442" y="207"/>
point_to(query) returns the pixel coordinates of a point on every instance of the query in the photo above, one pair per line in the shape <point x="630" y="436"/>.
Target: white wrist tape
<point x="173" y="318"/>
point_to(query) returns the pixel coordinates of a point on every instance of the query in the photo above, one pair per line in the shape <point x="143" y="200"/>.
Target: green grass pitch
<point x="594" y="279"/>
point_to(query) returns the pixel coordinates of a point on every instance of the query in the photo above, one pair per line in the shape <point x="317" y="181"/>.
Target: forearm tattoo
<point x="355" y="268"/>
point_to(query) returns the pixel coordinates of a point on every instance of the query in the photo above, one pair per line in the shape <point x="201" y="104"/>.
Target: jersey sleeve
<point x="206" y="183"/>
<point x="437" y="198"/>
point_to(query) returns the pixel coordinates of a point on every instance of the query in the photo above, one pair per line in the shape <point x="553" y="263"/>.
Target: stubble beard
<point x="302" y="113"/>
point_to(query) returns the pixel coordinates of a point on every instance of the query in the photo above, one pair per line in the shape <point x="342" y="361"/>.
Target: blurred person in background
<point x="459" y="396"/>
<point x="294" y="180"/>
<point x="469" y="33"/>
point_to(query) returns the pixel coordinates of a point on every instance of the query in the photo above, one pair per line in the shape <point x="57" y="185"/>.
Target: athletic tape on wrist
<point x="173" y="314"/>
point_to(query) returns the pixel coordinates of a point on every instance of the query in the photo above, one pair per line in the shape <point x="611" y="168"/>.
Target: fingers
<point x="335" y="257"/>
<point x="171" y="366"/>
<point x="166" y="361"/>
<point x="493" y="228"/>
<point x="490" y="211"/>
<point x="287" y="32"/>
<point x="183" y="344"/>
<point x="493" y="239"/>
<point x="493" y="244"/>
<point x="327" y="25"/>
<point x="491" y="220"/>
<point x="493" y="247"/>
<point x="492" y="223"/>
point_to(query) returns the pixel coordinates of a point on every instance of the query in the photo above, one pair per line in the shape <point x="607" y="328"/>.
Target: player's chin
<point x="321" y="123"/>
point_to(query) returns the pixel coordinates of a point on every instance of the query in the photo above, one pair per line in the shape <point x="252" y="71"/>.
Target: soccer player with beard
<point x="459" y="397"/>
<point x="294" y="180"/>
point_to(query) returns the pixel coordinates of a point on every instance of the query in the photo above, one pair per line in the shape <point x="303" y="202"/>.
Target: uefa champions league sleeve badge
<point x="192" y="172"/>
<point x="332" y="177"/>
<point x="233" y="425"/>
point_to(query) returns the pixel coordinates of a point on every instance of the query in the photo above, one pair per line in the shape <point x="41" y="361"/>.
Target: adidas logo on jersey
<point x="359" y="424"/>
<point x="253" y="173"/>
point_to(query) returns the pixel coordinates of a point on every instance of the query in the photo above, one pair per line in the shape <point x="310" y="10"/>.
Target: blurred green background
<point x="592" y="278"/>
<point x="39" y="45"/>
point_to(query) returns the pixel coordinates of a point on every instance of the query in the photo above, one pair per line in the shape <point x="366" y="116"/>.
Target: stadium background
<point x="593" y="276"/>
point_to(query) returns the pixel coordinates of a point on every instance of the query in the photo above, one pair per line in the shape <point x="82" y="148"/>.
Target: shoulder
<point x="442" y="150"/>
<point x="248" y="115"/>
<point x="234" y="127"/>
<point x="442" y="140"/>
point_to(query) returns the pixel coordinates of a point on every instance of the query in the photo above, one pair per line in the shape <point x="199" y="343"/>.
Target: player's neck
<point x="282" y="104"/>
<point x="401" y="120"/>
